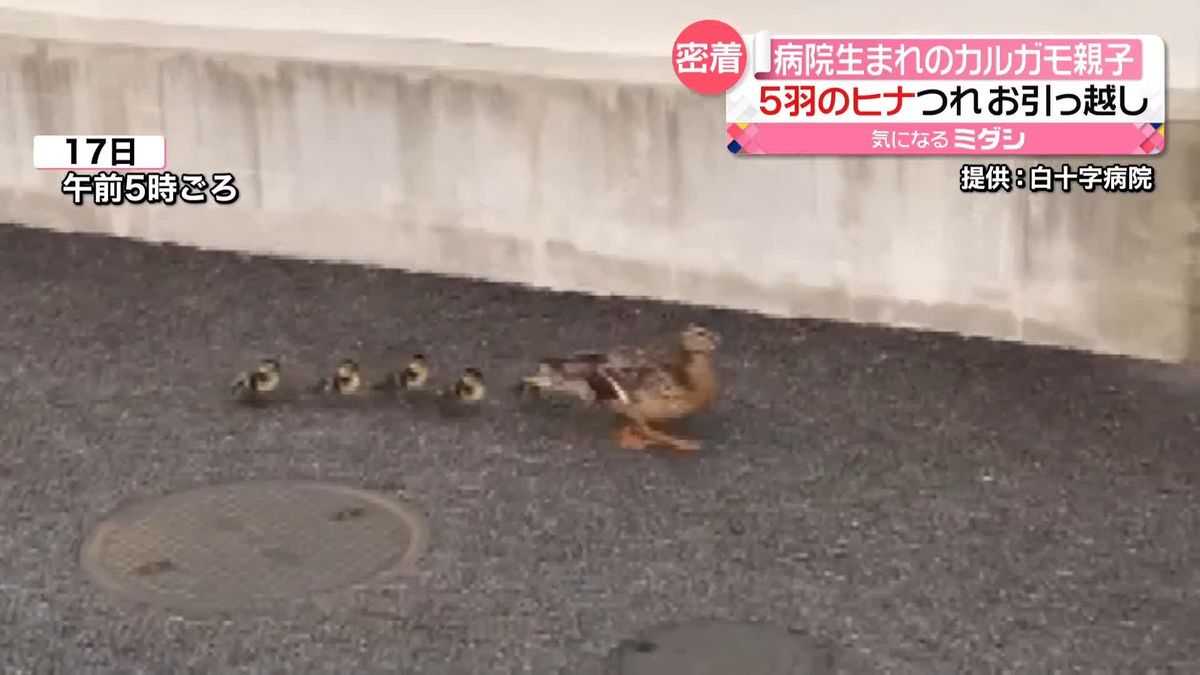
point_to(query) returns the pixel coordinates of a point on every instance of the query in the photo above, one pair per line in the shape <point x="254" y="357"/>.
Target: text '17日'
<point x="112" y="153"/>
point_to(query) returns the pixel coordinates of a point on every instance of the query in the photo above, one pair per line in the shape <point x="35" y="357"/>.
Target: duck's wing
<point x="584" y="364"/>
<point x="595" y="375"/>
<point x="632" y="384"/>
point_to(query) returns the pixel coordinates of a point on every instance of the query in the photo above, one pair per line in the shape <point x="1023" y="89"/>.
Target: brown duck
<point x="646" y="386"/>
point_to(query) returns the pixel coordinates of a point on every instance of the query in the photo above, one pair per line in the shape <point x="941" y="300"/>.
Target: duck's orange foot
<point x="684" y="445"/>
<point x="627" y="437"/>
<point x="667" y="441"/>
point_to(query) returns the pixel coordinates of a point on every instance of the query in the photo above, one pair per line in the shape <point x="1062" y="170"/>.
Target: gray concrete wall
<point x="638" y="28"/>
<point x="603" y="177"/>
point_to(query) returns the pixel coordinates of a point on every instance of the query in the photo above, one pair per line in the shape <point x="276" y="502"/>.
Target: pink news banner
<point x="931" y="95"/>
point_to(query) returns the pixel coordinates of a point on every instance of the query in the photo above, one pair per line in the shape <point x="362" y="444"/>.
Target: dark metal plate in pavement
<point x="713" y="647"/>
<point x="231" y="547"/>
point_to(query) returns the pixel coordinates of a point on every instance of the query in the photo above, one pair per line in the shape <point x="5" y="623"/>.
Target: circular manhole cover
<point x="713" y="647"/>
<point x="231" y="547"/>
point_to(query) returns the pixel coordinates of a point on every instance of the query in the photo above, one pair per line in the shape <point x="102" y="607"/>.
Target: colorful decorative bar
<point x="949" y="95"/>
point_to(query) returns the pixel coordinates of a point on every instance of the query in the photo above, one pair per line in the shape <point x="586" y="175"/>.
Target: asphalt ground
<point x="920" y="503"/>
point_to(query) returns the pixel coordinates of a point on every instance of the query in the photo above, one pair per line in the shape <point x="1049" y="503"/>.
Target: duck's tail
<point x="240" y="384"/>
<point x="564" y="375"/>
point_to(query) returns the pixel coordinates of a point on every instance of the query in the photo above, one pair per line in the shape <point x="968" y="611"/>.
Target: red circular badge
<point x="709" y="57"/>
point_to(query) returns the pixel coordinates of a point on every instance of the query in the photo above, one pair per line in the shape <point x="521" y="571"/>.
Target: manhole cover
<point x="231" y="547"/>
<point x="712" y="647"/>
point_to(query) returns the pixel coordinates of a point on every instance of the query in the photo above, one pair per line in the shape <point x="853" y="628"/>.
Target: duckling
<point x="465" y="394"/>
<point x="253" y="384"/>
<point x="470" y="387"/>
<point x="345" y="380"/>
<point x="414" y="376"/>
<point x="645" y="386"/>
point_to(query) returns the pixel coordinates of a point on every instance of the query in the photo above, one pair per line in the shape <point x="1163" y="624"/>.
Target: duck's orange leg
<point x="671" y="442"/>
<point x="628" y="437"/>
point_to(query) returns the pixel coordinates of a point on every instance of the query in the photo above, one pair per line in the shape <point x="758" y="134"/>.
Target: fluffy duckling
<point x="253" y="384"/>
<point x="465" y="394"/>
<point x="347" y="379"/>
<point x="414" y="376"/>
<point x="470" y="387"/>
